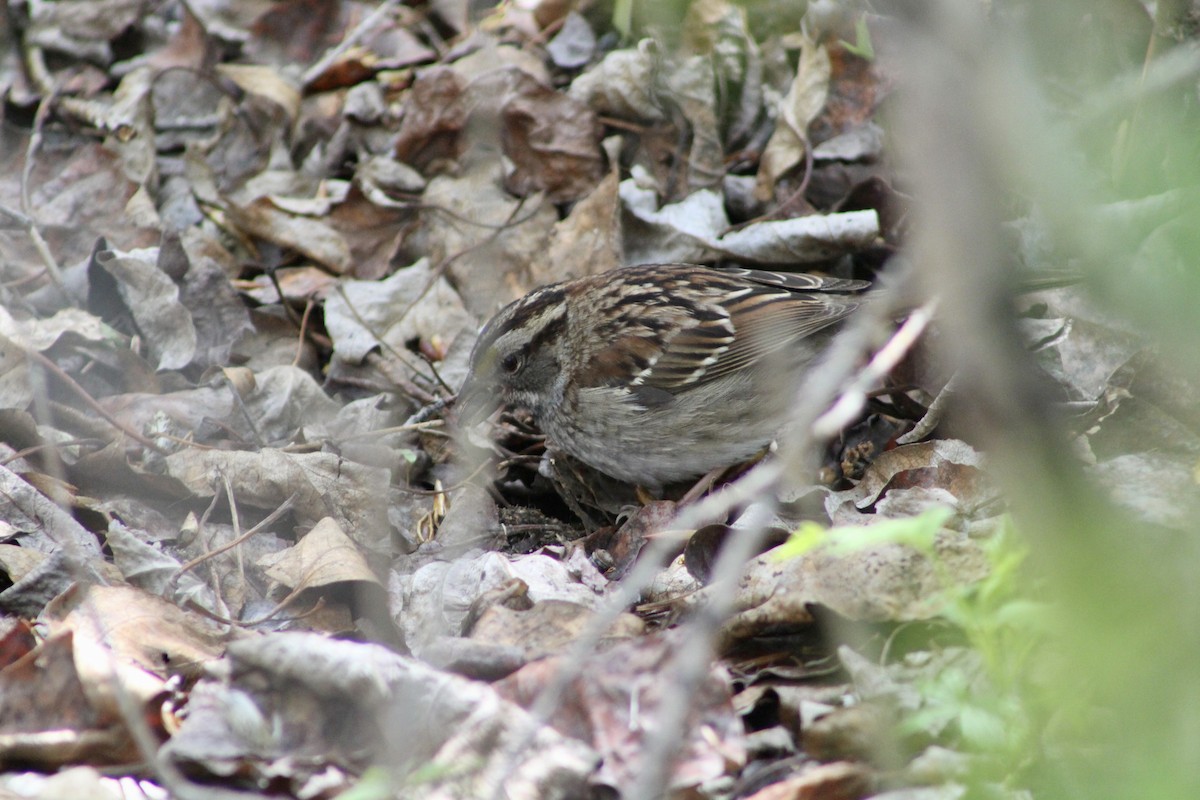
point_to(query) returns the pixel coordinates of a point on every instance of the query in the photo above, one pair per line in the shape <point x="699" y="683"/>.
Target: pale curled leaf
<point x="804" y="101"/>
<point x="41" y="334"/>
<point x="675" y="232"/>
<point x="285" y="399"/>
<point x="324" y="556"/>
<point x="140" y="627"/>
<point x="694" y="229"/>
<point x="690" y="85"/>
<point x="801" y="240"/>
<point x="148" y="567"/>
<point x="132" y="636"/>
<point x="623" y="84"/>
<point x="16" y="391"/>
<point x="311" y="236"/>
<point x="153" y="300"/>
<point x="574" y="44"/>
<point x="220" y="317"/>
<point x="587" y="242"/>
<point x="547" y="628"/>
<point x="129" y="120"/>
<point x="434" y="600"/>
<point x="265" y="81"/>
<point x="16" y="562"/>
<point x="46" y="526"/>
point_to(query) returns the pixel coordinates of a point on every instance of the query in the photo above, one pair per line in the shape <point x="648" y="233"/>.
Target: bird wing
<point x="746" y="329"/>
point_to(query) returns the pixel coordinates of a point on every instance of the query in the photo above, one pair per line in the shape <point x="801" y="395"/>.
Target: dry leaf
<point x="804" y="101"/>
<point x="880" y="583"/>
<point x="324" y="556"/>
<point x="323" y="484"/>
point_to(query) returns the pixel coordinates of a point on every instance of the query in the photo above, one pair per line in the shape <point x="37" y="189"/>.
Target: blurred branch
<point x="968" y="139"/>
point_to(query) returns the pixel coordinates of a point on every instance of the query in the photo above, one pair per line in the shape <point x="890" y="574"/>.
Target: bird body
<point x="657" y="373"/>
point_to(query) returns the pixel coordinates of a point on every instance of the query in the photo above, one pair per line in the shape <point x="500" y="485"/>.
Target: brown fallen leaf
<point x="613" y="701"/>
<point x="840" y="780"/>
<point x="880" y="583"/>
<point x="547" y="628"/>
<point x="47" y="717"/>
<point x="324" y="556"/>
<point x="139" y="629"/>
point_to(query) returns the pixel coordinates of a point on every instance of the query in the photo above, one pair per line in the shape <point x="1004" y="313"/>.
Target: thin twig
<point x="235" y="520"/>
<point x="854" y="398"/>
<point x="309" y="305"/>
<point x="268" y="520"/>
<point x="284" y="603"/>
<point x="37" y="448"/>
<point x="368" y="24"/>
<point x="422" y="415"/>
<point x="90" y="401"/>
<point x="933" y="415"/>
<point x="378" y="432"/>
<point x="28" y="222"/>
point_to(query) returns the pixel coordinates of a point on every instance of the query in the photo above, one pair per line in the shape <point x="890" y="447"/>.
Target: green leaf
<point x="622" y="17"/>
<point x="982" y="729"/>
<point x="803" y="540"/>
<point x="862" y="46"/>
<point x="918" y="532"/>
<point x="375" y="784"/>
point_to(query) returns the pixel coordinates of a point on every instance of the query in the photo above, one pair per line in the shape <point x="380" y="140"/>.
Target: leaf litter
<point x="242" y="269"/>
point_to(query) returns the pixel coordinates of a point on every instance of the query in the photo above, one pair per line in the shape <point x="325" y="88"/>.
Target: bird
<point x="658" y="373"/>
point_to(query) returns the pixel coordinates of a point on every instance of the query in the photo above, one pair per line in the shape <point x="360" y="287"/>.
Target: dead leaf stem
<point x="90" y="401"/>
<point x="37" y="448"/>
<point x="933" y="415"/>
<point x="308" y="307"/>
<point x="284" y="603"/>
<point x="27" y="220"/>
<point x="270" y="519"/>
<point x="369" y="24"/>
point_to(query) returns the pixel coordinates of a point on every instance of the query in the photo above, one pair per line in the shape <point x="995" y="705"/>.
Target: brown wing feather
<point x="776" y="323"/>
<point x="760" y="322"/>
<point x="798" y="281"/>
<point x="729" y="320"/>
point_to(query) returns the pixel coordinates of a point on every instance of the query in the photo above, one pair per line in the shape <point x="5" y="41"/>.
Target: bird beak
<point x="475" y="402"/>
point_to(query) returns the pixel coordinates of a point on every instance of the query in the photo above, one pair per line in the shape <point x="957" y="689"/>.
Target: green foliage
<point x="994" y="703"/>
<point x="622" y="17"/>
<point x="917" y="532"/>
<point x="375" y="784"/>
<point x="862" y="46"/>
<point x="985" y="699"/>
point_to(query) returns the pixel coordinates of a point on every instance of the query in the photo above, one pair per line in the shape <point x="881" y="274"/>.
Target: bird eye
<point x="511" y="363"/>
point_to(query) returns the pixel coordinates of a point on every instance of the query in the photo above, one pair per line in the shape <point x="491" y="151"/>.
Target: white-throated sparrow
<point x="657" y="373"/>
